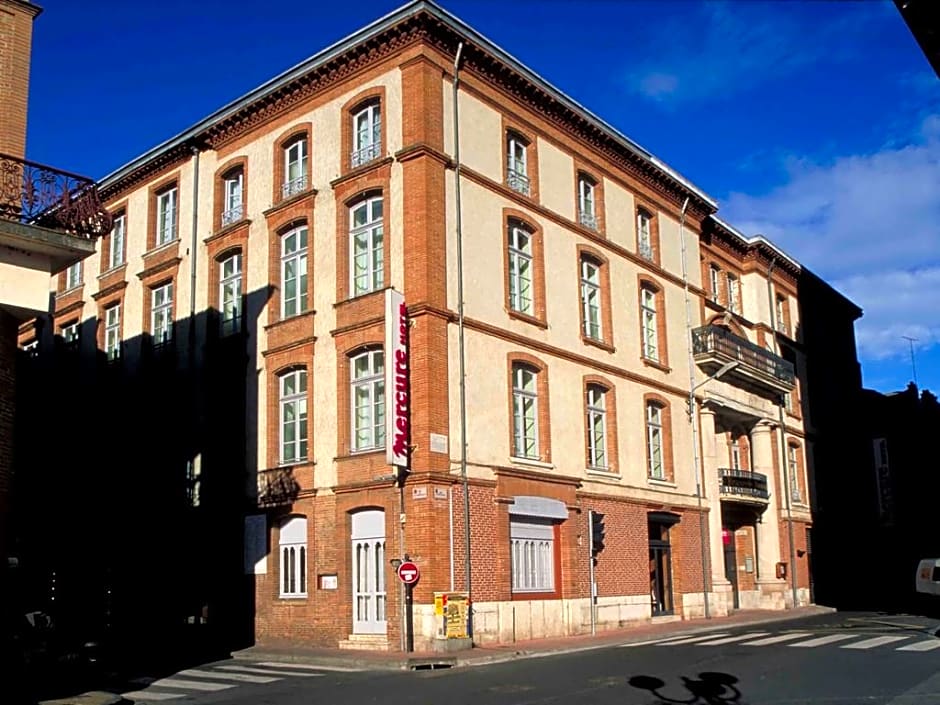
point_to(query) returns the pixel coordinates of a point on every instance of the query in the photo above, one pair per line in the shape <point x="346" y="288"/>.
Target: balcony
<point x="743" y="485"/>
<point x="757" y="368"/>
<point x="35" y="194"/>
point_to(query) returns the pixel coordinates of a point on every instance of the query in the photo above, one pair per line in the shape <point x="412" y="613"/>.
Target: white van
<point x="928" y="577"/>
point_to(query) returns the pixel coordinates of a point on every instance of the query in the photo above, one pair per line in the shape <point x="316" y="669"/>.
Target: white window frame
<point x="734" y="293"/>
<point x="73" y="275"/>
<point x="596" y="401"/>
<point x="591" y="301"/>
<point x="714" y="278"/>
<point x="230" y="294"/>
<point x="525" y="411"/>
<point x="367" y="134"/>
<point x="112" y="332"/>
<point x="532" y="555"/>
<point x="587" y="213"/>
<point x="366" y="247"/>
<point x="649" y="323"/>
<point x="71" y="334"/>
<point x="517" y="173"/>
<point x="644" y="237"/>
<point x="735" y="454"/>
<point x="367" y="400"/>
<point x="166" y="216"/>
<point x="793" y="469"/>
<point x="654" y="441"/>
<point x="118" y="232"/>
<point x="521" y="292"/>
<point x="233" y="194"/>
<point x="294" y="257"/>
<point x="31" y="348"/>
<point x="781" y="318"/>
<point x="161" y="313"/>
<point x="295" y="167"/>
<point x="292" y="402"/>
<point x="292" y="549"/>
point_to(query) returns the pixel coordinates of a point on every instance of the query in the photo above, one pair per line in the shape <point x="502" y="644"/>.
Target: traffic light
<point x="597" y="532"/>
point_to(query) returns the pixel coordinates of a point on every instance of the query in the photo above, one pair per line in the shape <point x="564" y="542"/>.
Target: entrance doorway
<point x="731" y="564"/>
<point x="368" y="574"/>
<point x="660" y="565"/>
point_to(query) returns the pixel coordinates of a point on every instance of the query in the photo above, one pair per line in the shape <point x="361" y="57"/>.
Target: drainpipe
<point x="192" y="261"/>
<point x="783" y="436"/>
<point x="461" y="352"/>
<point x="696" y="469"/>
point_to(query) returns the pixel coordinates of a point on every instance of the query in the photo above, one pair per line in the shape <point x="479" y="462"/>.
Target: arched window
<point x="293" y="552"/>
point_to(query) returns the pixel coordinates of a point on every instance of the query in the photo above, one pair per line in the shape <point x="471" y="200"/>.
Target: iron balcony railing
<point x="366" y="154"/>
<point x="588" y="220"/>
<point x="716" y="339"/>
<point x="517" y="181"/>
<point x="743" y="483"/>
<point x="232" y="215"/>
<point x="296" y="185"/>
<point x="36" y="194"/>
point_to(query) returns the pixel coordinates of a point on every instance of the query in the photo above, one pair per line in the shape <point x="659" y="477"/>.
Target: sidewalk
<point x="535" y="648"/>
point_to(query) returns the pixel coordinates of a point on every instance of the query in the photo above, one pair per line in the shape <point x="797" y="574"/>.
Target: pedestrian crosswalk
<point x="916" y="642"/>
<point x="219" y="677"/>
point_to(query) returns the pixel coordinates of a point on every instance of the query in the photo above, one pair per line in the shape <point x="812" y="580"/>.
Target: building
<point x="48" y="219"/>
<point x="234" y="348"/>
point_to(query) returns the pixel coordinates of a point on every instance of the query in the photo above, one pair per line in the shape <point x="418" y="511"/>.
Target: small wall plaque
<point x="329" y="582"/>
<point x="440" y="493"/>
<point x="419" y="493"/>
<point x="438" y="443"/>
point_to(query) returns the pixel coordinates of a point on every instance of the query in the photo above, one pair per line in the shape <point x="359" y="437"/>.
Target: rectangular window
<point x="230" y="294"/>
<point x="166" y="216"/>
<point x="591" y="298"/>
<point x="735" y="454"/>
<point x="586" y="212"/>
<point x="368" y="400"/>
<point x="295" y="168"/>
<point x="367" y="254"/>
<point x="517" y="174"/>
<point x="654" y="441"/>
<point x="734" y="294"/>
<point x="714" y="280"/>
<point x="293" y="402"/>
<point x="367" y="135"/>
<point x="525" y="412"/>
<point x="781" y="318"/>
<point x="597" y="427"/>
<point x="70" y="334"/>
<point x="294" y="272"/>
<point x="650" y="324"/>
<point x="292" y="546"/>
<point x="532" y="552"/>
<point x="793" y="470"/>
<point x="112" y="332"/>
<point x="161" y="313"/>
<point x="116" y="255"/>
<point x="232" y="209"/>
<point x="73" y="275"/>
<point x="644" y="238"/>
<point x="520" y="270"/>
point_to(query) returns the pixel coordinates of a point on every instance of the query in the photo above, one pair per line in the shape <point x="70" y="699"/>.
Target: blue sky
<point x="817" y="124"/>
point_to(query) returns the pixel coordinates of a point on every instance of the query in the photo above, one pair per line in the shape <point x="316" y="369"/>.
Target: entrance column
<point x="768" y="530"/>
<point x="711" y="488"/>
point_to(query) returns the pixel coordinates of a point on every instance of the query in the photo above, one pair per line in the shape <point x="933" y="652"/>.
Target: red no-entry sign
<point x="408" y="573"/>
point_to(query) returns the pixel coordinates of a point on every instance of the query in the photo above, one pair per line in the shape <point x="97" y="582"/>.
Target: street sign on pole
<point x="408" y="573"/>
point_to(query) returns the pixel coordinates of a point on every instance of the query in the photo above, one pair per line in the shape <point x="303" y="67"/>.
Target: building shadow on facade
<point x="134" y="476"/>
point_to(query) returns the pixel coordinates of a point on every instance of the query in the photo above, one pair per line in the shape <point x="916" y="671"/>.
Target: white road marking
<point x="269" y="672"/>
<point x="144" y="695"/>
<point x="243" y="677"/>
<point x="283" y="664"/>
<point x="928" y="645"/>
<point x="877" y="641"/>
<point x="777" y="639"/>
<point x="691" y="639"/>
<point x="819" y="641"/>
<point x="195" y="685"/>
<point x="731" y="639"/>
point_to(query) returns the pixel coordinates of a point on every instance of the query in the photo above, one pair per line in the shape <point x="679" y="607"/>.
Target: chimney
<point x="16" y="36"/>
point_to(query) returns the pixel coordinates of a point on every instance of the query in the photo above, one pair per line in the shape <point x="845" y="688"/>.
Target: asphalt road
<point x="837" y="659"/>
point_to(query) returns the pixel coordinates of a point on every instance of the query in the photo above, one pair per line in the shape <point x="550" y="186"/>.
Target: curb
<point x="604" y="640"/>
<point x="93" y="697"/>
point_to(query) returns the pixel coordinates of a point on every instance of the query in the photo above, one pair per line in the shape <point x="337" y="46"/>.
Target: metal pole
<point x="696" y="469"/>
<point x="461" y="353"/>
<point x="591" y="568"/>
<point x="783" y="437"/>
<point x="409" y="618"/>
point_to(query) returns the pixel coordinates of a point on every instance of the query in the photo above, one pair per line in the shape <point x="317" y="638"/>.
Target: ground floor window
<point x="532" y="551"/>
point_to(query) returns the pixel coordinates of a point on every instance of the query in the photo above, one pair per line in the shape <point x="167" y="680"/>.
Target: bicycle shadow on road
<point x="709" y="688"/>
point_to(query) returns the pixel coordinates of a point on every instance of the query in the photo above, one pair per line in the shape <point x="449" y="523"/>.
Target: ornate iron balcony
<point x="366" y="154"/>
<point x="232" y="215"/>
<point x="588" y="220"/>
<point x="36" y="194"/>
<point x="517" y="181"/>
<point x="717" y="345"/>
<point x="743" y="483"/>
<point x="294" y="186"/>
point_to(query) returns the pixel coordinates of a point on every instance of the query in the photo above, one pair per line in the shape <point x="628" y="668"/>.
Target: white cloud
<point x="870" y="224"/>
